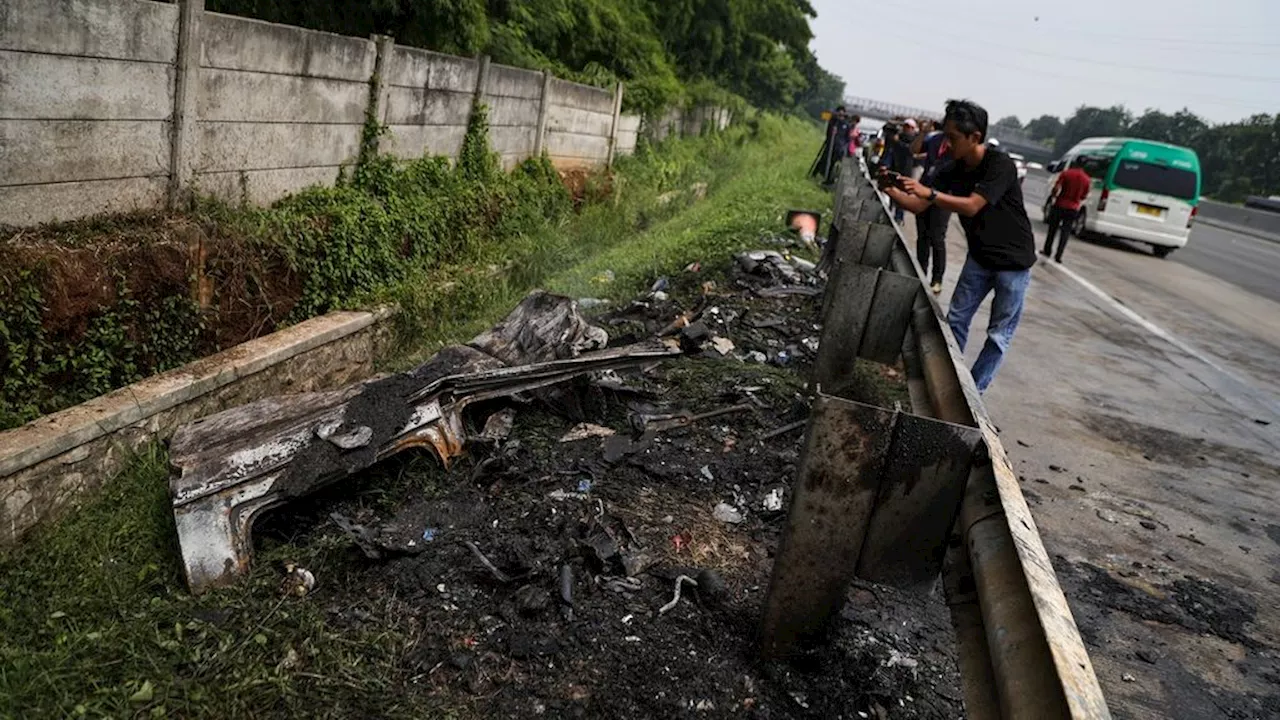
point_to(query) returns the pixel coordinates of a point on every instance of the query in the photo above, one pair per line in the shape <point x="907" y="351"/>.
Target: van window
<point x="1096" y="166"/>
<point x="1157" y="179"/>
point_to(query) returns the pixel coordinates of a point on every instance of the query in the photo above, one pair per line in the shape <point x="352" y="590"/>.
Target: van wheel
<point x="1078" y="228"/>
<point x="1162" y="251"/>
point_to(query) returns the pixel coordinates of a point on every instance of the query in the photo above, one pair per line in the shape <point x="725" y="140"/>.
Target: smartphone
<point x="890" y="178"/>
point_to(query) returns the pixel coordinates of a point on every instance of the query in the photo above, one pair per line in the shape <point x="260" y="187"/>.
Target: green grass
<point x="95" y="619"/>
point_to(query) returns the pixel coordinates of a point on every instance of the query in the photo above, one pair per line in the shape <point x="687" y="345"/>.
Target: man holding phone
<point x="980" y="185"/>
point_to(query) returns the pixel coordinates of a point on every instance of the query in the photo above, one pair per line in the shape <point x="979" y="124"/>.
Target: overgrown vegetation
<point x="94" y="617"/>
<point x="666" y="51"/>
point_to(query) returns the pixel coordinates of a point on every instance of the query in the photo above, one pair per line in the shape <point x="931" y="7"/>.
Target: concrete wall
<point x="428" y="102"/>
<point x="628" y="134"/>
<point x="116" y="105"/>
<point x="279" y="108"/>
<point x="86" y="94"/>
<point x="46" y="466"/>
<point x="579" y="124"/>
<point x="514" y="97"/>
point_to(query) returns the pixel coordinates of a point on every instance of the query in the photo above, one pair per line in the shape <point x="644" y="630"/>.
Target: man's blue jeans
<point x="1006" y="309"/>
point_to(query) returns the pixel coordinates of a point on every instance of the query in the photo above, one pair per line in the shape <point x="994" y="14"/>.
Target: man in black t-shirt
<point x="980" y="184"/>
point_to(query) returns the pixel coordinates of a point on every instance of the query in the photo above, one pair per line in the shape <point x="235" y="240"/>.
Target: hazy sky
<point x="1220" y="58"/>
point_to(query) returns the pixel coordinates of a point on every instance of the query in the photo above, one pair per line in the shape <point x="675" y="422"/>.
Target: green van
<point x="1142" y="190"/>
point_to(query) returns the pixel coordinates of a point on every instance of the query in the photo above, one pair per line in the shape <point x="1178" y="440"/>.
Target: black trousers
<point x="1061" y="221"/>
<point x="931" y="240"/>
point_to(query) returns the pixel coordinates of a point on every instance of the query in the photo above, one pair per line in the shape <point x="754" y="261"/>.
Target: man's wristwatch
<point x="933" y="195"/>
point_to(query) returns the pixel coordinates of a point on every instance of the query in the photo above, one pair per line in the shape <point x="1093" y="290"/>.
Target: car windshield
<point x="1157" y="179"/>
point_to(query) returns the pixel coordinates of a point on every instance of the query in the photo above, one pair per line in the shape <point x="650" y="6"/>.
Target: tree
<point x="823" y="90"/>
<point x="1011" y="122"/>
<point x="1045" y="127"/>
<point x="1181" y="128"/>
<point x="1092" y="122"/>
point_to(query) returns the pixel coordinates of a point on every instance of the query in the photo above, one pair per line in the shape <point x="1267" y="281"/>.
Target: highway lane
<point x="1140" y="403"/>
<point x="1248" y="262"/>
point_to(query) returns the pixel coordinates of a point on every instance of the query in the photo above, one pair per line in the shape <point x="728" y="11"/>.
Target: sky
<point x="1219" y="58"/>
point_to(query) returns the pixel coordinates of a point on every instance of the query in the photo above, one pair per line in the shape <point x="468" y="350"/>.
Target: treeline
<point x="1236" y="159"/>
<point x="666" y="51"/>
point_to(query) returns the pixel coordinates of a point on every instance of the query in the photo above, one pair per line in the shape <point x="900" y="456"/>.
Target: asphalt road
<point x="1140" y="405"/>
<point x="1243" y="260"/>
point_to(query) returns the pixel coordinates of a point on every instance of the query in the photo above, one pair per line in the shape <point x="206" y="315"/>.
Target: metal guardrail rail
<point x="902" y="498"/>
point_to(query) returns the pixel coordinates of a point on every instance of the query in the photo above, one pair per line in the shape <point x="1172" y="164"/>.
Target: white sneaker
<point x="936" y="288"/>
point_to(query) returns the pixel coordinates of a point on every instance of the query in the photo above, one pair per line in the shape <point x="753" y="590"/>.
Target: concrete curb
<point x="1243" y="230"/>
<point x="47" y="465"/>
<point x="59" y="432"/>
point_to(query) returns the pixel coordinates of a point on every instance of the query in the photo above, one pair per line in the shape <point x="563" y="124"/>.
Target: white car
<point x="1021" y="162"/>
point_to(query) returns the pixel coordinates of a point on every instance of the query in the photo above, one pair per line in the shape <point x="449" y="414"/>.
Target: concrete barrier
<point x="1235" y="217"/>
<point x="47" y="465"/>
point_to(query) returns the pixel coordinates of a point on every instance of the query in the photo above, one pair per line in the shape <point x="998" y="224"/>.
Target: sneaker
<point x="936" y="288"/>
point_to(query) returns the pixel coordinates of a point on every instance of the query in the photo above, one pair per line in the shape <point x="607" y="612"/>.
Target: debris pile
<point x="603" y="548"/>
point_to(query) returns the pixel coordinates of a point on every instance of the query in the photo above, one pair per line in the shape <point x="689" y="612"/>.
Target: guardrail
<point x="902" y="498"/>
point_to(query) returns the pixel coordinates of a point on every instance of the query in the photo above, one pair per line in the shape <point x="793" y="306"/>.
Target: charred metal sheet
<point x="851" y="294"/>
<point x="880" y="242"/>
<point x="235" y="464"/>
<point x="835" y="490"/>
<point x="890" y="316"/>
<point x="920" y="491"/>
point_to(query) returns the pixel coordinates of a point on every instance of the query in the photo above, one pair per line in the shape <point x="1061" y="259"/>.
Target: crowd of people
<point x="933" y="170"/>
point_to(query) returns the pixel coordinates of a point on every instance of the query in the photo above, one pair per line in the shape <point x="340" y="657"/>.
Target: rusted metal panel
<point x="924" y="480"/>
<point x="835" y="490"/>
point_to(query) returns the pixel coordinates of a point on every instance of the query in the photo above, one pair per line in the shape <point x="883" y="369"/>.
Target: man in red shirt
<point x="1068" y="195"/>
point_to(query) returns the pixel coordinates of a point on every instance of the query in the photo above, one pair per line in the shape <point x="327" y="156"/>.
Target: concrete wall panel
<point x="237" y="43"/>
<point x="43" y="151"/>
<point x="236" y="96"/>
<point x="582" y="97"/>
<point x="59" y="202"/>
<point x="629" y="123"/>
<point x="507" y="111"/>
<point x="135" y="30"/>
<point x="418" y="106"/>
<point x="514" y="141"/>
<point x="263" y="187"/>
<point x="582" y="122"/>
<point x="414" y="68"/>
<point x="63" y="87"/>
<point x="562" y="145"/>
<point x="626" y="144"/>
<point x="506" y="81"/>
<point x="413" y="141"/>
<point x="223" y="146"/>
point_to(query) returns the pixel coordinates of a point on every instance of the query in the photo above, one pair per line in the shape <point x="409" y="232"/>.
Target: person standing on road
<point x="980" y="184"/>
<point x="931" y="224"/>
<point x="1069" y="193"/>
